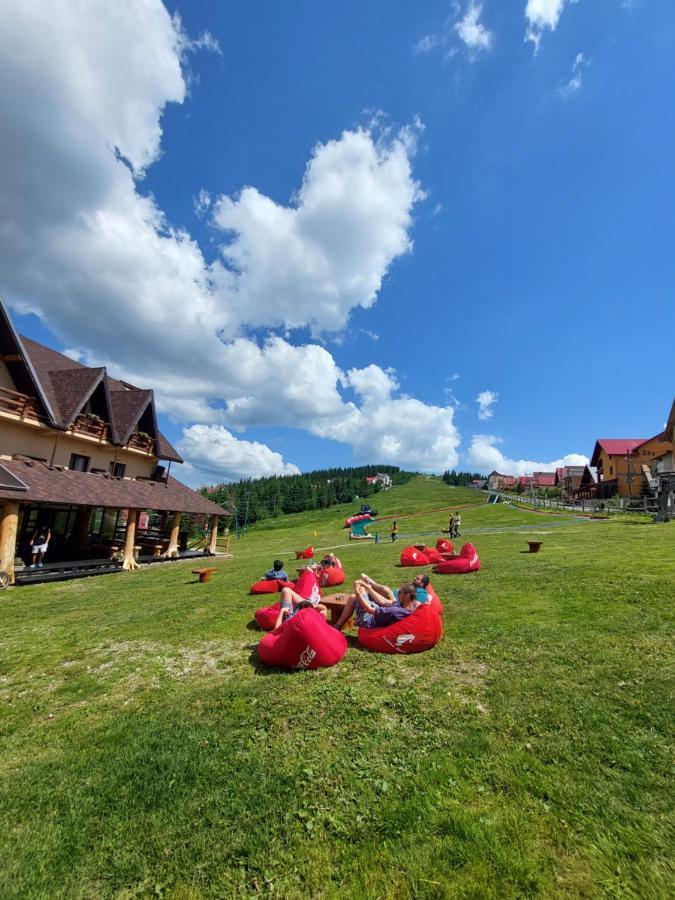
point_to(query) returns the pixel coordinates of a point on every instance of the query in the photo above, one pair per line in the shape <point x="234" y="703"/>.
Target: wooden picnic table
<point x="335" y="604"/>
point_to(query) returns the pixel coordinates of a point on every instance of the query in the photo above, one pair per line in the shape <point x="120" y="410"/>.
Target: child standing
<point x="394" y="532"/>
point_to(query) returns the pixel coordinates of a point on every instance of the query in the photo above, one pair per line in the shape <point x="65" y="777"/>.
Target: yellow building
<point x="620" y="462"/>
<point x="81" y="457"/>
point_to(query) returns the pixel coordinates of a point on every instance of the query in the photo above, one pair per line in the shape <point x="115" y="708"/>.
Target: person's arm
<point x="364" y="601"/>
<point x="384" y="596"/>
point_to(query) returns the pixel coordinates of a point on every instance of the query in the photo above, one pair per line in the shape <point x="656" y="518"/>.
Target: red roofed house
<point x="541" y="480"/>
<point x="619" y="463"/>
<point x="80" y="454"/>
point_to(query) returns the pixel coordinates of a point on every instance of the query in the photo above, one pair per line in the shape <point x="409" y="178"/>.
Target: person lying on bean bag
<point x="305" y="588"/>
<point x="370" y="614"/>
<point x="304" y="641"/>
<point x="385" y="596"/>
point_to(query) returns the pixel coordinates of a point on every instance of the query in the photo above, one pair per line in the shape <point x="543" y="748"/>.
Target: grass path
<point x="146" y="752"/>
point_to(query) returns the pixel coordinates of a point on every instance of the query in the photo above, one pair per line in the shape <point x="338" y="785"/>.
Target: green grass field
<point x="146" y="752"/>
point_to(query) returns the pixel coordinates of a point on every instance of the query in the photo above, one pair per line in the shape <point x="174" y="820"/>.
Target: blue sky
<point x="437" y="209"/>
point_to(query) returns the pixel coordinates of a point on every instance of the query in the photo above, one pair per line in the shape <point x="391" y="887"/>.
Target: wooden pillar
<point x="129" y="540"/>
<point x="9" y="518"/>
<point x="172" y="549"/>
<point x="82" y="526"/>
<point x="214" y="535"/>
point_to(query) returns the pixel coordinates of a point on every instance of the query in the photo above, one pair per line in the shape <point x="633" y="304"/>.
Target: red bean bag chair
<point x="306" y="641"/>
<point x="411" y="556"/>
<point x="307" y="585"/>
<point x="419" y="631"/>
<point x="466" y="561"/>
<point x="307" y="553"/>
<point x="266" y="616"/>
<point x="431" y="554"/>
<point x="267" y="586"/>
<point x="444" y="546"/>
<point x="331" y="576"/>
<point x="434" y="602"/>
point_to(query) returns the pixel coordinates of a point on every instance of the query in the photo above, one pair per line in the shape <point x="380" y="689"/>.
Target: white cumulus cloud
<point x="484" y="455"/>
<point x="95" y="257"/>
<point x="486" y="400"/>
<point x="219" y="455"/>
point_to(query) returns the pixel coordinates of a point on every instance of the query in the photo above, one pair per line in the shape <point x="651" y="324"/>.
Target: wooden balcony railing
<point x="94" y="427"/>
<point x="139" y="441"/>
<point x="18" y="404"/>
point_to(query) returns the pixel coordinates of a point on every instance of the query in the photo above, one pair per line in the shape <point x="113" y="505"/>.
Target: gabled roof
<point x="67" y="385"/>
<point x="71" y="388"/>
<point x="544" y="479"/>
<point x="127" y="407"/>
<point x="615" y="447"/>
<point x="22" y="370"/>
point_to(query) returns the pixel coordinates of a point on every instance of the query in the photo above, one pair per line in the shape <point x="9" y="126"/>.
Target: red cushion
<point x="307" y="584"/>
<point x="468" y="551"/>
<point x="266" y="616"/>
<point x="444" y="546"/>
<point x="331" y="576"/>
<point x="267" y="586"/>
<point x="411" y="556"/>
<point x="420" y="631"/>
<point x="435" y="602"/>
<point x="458" y="565"/>
<point x="306" y="641"/>
<point x="307" y="553"/>
<point x="431" y="554"/>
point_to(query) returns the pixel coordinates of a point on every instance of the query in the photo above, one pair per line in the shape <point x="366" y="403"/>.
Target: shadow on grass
<point x="261" y="668"/>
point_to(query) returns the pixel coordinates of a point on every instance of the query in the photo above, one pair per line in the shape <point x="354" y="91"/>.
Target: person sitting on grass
<point x="277" y="572"/>
<point x="385" y="596"/>
<point x="370" y="614"/>
<point x="306" y="588"/>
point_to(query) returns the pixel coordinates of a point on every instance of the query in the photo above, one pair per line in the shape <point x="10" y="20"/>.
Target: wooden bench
<point x="204" y="574"/>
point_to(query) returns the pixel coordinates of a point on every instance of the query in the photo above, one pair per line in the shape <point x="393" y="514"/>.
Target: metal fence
<point x="619" y="505"/>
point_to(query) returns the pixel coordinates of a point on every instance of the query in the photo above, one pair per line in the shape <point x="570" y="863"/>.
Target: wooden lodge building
<point x="81" y="454"/>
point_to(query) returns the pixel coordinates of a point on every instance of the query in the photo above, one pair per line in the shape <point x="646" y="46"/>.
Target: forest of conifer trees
<point x="265" y="498"/>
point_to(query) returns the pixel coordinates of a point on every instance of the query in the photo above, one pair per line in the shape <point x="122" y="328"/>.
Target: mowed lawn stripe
<point x="146" y="752"/>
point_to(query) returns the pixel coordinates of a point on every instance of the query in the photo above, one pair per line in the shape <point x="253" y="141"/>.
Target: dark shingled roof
<point x="127" y="408"/>
<point x="68" y="384"/>
<point x="58" y="485"/>
<point x="71" y="388"/>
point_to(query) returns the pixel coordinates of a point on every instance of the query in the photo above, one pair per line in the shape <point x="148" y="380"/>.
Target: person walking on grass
<point x="458" y="522"/>
<point x="451" y="525"/>
<point x="394" y="532"/>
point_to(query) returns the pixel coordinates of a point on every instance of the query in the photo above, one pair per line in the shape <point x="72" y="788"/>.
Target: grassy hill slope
<point x="146" y="752"/>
